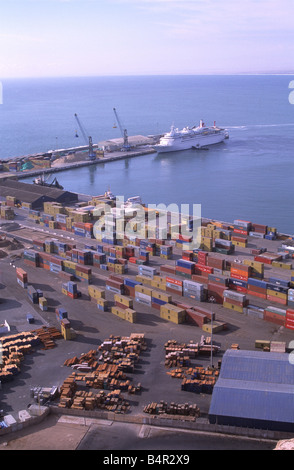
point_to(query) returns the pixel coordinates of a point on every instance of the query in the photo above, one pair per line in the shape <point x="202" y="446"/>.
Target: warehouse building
<point x="35" y="195"/>
<point x="112" y="145"/>
<point x="255" y="389"/>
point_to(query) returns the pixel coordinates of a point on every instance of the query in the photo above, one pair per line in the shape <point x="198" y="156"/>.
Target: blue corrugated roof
<point x="255" y="385"/>
<point x="257" y="366"/>
<point x="253" y="400"/>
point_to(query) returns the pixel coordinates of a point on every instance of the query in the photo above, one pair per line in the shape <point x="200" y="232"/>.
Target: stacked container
<point x="240" y="271"/>
<point x="257" y="268"/>
<point x="174" y="286"/>
<point x="43" y="304"/>
<point x="185" y="268"/>
<point x="159" y="298"/>
<point x="194" y="290"/>
<point x="83" y="273"/>
<point x="70" y="289"/>
<point x="223" y="246"/>
<point x="31" y="258"/>
<point x="33" y="295"/>
<point x="234" y="301"/>
<point x="275" y="315"/>
<point x="289" y="320"/>
<point x="129" y="286"/>
<point x="143" y="295"/>
<point x="290" y="300"/>
<point x="172" y="313"/>
<point x="277" y="293"/>
<point x="115" y="284"/>
<point x="60" y="313"/>
<point x="166" y="251"/>
<point x="22" y="277"/>
<point x="257" y="288"/>
<point x="147" y="271"/>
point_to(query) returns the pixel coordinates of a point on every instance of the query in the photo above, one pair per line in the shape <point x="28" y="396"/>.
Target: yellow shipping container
<point x="130" y="315"/>
<point x="241" y="244"/>
<point x="123" y="299"/>
<point x="236" y="308"/>
<point x="119" y="268"/>
<point x="66" y="333"/>
<point x="69" y="264"/>
<point x="162" y="296"/>
<point x="144" y="279"/>
<point x="214" y="328"/>
<point x="96" y="293"/>
<point x="158" y="285"/>
<point x="172" y="313"/>
<point x="279" y="295"/>
<point x="143" y="290"/>
<point x="102" y="303"/>
<point x="277" y="264"/>
<point x="127" y="314"/>
<point x="255" y="265"/>
<point x="161" y="279"/>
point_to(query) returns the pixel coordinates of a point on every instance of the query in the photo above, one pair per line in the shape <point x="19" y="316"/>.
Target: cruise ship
<point x="191" y="137"/>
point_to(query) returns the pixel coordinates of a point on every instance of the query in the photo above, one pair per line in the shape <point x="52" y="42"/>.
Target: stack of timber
<point x="47" y="335"/>
<point x="173" y="410"/>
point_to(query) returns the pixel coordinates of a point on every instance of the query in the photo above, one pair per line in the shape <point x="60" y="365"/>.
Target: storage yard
<point x="132" y="326"/>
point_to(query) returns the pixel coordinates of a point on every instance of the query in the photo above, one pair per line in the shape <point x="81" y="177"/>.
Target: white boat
<point x="191" y="137"/>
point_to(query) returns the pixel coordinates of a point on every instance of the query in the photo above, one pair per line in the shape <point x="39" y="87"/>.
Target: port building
<point x="255" y="389"/>
<point x="112" y="145"/>
<point x="35" y="195"/>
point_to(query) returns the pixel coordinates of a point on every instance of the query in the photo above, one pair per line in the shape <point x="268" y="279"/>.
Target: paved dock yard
<point x="45" y="367"/>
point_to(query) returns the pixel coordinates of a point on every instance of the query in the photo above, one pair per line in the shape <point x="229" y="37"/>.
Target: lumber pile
<point x="47" y="335"/>
<point x="173" y="410"/>
<point x="71" y="397"/>
<point x="196" y="379"/>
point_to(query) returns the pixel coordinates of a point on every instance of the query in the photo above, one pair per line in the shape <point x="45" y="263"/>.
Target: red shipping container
<point x="201" y="279"/>
<point x="290" y="313"/>
<point x="289" y="324"/>
<point x="215" y="262"/>
<point x="241" y="289"/>
<point x="177" y="282"/>
<point x="241" y="232"/>
<point x="256" y="294"/>
<point x="258" y="228"/>
<point x="239" y="238"/>
<point x="128" y="290"/>
<point x="238" y="276"/>
<point x="180" y="269"/>
<point x="168" y="269"/>
<point x="117" y="278"/>
<point x="274" y="318"/>
<point x="252" y="288"/>
<point x="195" y="318"/>
<point x="155" y="305"/>
<point x="203" y="269"/>
<point x="263" y="259"/>
<point x="272" y="298"/>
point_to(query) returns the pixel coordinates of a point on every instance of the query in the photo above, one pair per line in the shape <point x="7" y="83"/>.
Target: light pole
<point x="212" y="301"/>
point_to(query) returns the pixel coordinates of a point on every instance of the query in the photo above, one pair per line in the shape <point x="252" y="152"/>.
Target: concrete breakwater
<point x="58" y="166"/>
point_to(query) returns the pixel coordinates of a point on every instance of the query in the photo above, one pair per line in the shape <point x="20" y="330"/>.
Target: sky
<point x="48" y="38"/>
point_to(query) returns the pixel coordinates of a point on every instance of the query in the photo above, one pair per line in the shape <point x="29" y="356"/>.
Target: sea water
<point x="249" y="176"/>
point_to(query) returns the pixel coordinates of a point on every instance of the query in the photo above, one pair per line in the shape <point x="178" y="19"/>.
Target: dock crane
<point x="124" y="133"/>
<point x="92" y="155"/>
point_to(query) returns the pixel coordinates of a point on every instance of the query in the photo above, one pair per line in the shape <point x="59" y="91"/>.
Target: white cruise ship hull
<point x="186" y="143"/>
<point x="187" y="138"/>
